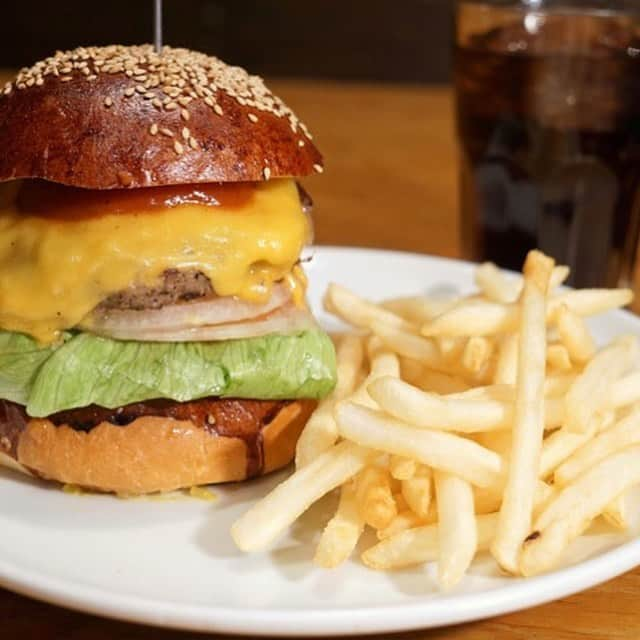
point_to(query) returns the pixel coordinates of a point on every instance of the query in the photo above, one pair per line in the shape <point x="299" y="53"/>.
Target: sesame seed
<point x="193" y="143"/>
<point x="153" y="129"/>
<point x="318" y="168"/>
<point x="266" y="172"/>
<point x="125" y="178"/>
<point x="179" y="149"/>
<point x="108" y="102"/>
<point x="166" y="132"/>
<point x="181" y="75"/>
<point x="157" y="103"/>
<point x="186" y="134"/>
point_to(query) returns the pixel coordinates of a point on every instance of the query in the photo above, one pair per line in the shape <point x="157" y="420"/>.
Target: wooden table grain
<point x="390" y="182"/>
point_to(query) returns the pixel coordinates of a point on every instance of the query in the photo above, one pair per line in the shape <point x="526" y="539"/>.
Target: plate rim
<point x="430" y="613"/>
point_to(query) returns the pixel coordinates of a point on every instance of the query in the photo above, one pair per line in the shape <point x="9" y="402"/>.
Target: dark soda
<point x="548" y="114"/>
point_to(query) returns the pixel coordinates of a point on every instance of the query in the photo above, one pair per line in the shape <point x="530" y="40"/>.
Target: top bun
<point x="113" y="117"/>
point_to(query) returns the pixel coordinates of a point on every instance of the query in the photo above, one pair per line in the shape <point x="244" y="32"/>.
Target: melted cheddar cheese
<point x="54" y="272"/>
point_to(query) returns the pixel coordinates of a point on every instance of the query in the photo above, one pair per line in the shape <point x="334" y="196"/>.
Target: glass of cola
<point x="548" y="120"/>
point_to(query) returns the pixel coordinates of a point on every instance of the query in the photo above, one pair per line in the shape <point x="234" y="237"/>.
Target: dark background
<point x="372" y="40"/>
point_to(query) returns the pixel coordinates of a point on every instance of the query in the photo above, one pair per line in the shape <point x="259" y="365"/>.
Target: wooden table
<point x="390" y="182"/>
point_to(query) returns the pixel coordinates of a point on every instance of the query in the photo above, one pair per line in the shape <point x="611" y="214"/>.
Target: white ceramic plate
<point x="172" y="563"/>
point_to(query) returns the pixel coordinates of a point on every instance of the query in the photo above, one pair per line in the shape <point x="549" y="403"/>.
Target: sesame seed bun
<point x="152" y="453"/>
<point x="113" y="117"/>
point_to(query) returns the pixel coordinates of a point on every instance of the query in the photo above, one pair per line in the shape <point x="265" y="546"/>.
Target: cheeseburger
<point x="153" y="326"/>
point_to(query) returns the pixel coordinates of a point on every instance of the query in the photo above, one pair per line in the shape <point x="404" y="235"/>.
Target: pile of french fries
<point x="491" y="422"/>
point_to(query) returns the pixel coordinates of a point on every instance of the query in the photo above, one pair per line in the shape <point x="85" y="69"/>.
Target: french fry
<point x="569" y="513"/>
<point x="528" y="428"/>
<point x="417" y="491"/>
<point x="592" y="483"/>
<point x="321" y="432"/>
<point x="575" y="335"/>
<point x="480" y="318"/>
<point x="428" y="410"/>
<point x="476" y="354"/>
<point x="468" y="412"/>
<point x="340" y="537"/>
<point x="623" y="434"/>
<point x="409" y="345"/>
<point x="265" y="520"/>
<point x="451" y="348"/>
<point x="374" y="497"/>
<point x="473" y="318"/>
<point x="419" y="545"/>
<point x="559" y="274"/>
<point x="384" y="364"/>
<point x="401" y="503"/>
<point x="584" y="397"/>
<point x="489" y="499"/>
<point x="497" y="288"/>
<point x="358" y="311"/>
<point x="507" y="364"/>
<point x="418" y="309"/>
<point x="402" y="468"/>
<point x="405" y="519"/>
<point x="557" y="384"/>
<point x="411" y="370"/>
<point x="559" y="446"/>
<point x="457" y="533"/>
<point x="439" y="450"/>
<point x="441" y="383"/>
<point x="558" y="357"/>
<point x="616" y="513"/>
<point x="589" y="302"/>
<point x="623" y="392"/>
<point x="498" y="441"/>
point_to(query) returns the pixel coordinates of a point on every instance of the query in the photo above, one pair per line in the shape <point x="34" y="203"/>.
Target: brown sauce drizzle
<point x="61" y="202"/>
<point x="233" y="418"/>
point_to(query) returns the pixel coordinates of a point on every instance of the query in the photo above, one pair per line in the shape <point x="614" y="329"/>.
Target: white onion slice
<point x="222" y="310"/>
<point x="286" y="319"/>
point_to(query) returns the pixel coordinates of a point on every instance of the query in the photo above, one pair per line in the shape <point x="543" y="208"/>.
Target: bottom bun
<point x="154" y="453"/>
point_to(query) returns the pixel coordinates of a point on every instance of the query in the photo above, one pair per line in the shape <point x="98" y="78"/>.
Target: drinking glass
<point x="548" y="120"/>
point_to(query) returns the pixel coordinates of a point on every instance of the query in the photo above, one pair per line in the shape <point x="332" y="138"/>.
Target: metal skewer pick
<point x="157" y="26"/>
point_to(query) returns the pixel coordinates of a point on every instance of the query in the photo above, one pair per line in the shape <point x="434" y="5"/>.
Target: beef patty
<point x="173" y="287"/>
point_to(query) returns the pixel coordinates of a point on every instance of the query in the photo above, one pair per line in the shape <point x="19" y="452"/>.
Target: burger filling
<point x="64" y="251"/>
<point x="133" y="298"/>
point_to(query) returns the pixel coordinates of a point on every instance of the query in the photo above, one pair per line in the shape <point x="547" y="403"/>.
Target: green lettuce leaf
<point x="89" y="369"/>
<point x="20" y="359"/>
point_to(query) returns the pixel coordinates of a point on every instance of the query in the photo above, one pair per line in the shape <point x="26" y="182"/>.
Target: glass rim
<point x="607" y="7"/>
